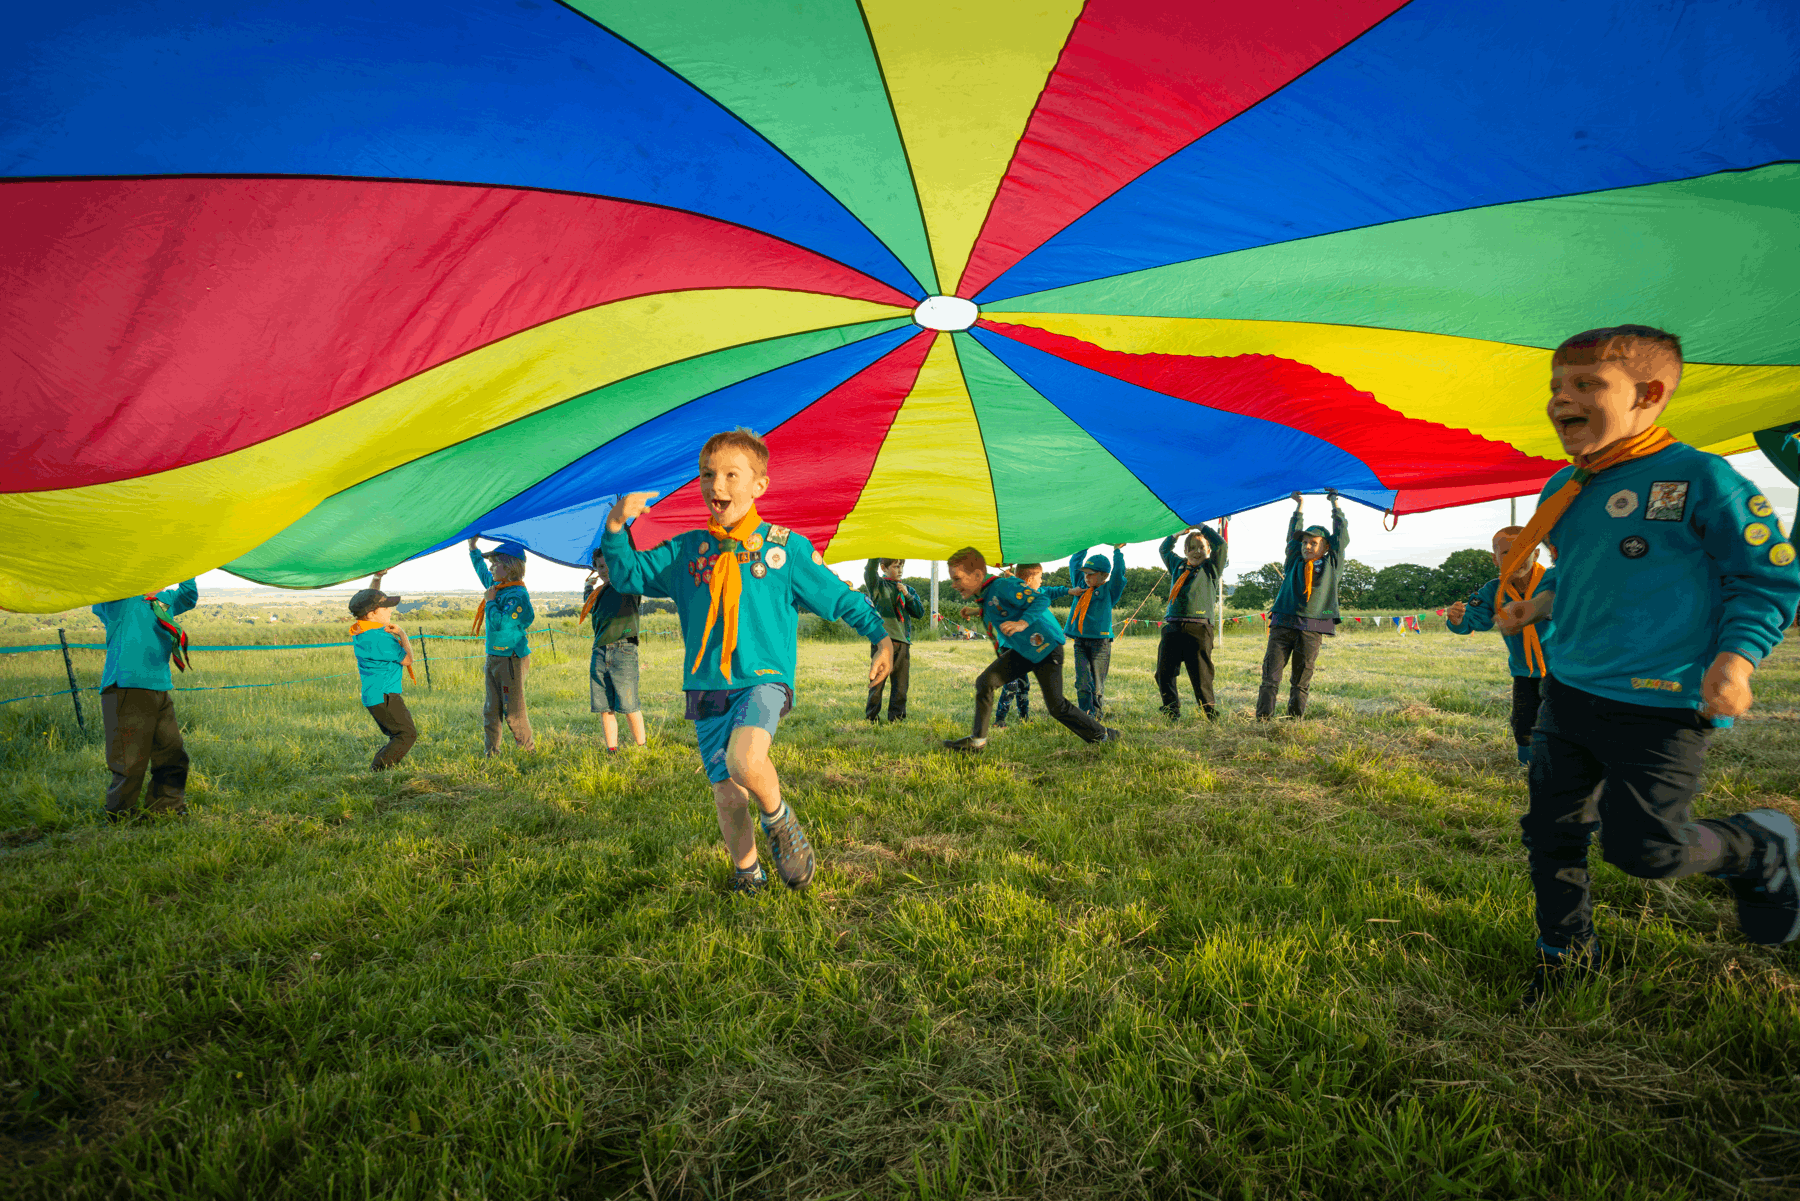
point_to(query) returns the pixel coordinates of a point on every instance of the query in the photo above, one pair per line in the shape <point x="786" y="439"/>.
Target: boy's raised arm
<point x="645" y="572"/>
<point x="1478" y="610"/>
<point x="822" y="590"/>
<point x="1295" y="529"/>
<point x="1167" y="551"/>
<point x="1221" y="549"/>
<point x="481" y="568"/>
<point x="1340" y="527"/>
<point x="872" y="576"/>
<point x="1117" y="583"/>
<point x="187" y="595"/>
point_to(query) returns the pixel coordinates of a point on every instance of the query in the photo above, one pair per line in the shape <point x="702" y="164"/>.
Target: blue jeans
<point x="613" y="678"/>
<point x="1092" y="657"/>
<point x="1020" y="691"/>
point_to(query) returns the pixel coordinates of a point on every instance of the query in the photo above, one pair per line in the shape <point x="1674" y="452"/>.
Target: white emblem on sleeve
<point x="1622" y="503"/>
<point x="775" y="557"/>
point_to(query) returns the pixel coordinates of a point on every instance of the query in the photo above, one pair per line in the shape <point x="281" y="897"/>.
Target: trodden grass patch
<point x="1229" y="960"/>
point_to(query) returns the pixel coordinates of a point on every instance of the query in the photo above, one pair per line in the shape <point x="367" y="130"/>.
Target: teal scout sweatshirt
<point x="1662" y="563"/>
<point x="1478" y="617"/>
<point x="614" y="615"/>
<point x="780" y="571"/>
<point x="508" y="615"/>
<point x="896" y="601"/>
<point x="1098" y="623"/>
<point x="1198" y="594"/>
<point x="137" y="649"/>
<point x="1291" y="601"/>
<point x="378" y="659"/>
<point x="1007" y="599"/>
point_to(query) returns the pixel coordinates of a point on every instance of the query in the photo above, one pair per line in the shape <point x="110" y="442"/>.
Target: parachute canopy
<point x="308" y="289"/>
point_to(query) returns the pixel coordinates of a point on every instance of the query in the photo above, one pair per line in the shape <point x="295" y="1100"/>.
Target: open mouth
<point x="1569" y="425"/>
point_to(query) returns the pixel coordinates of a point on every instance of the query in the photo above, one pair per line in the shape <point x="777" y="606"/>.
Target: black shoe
<point x="1555" y="968"/>
<point x="1108" y="735"/>
<point x="1000" y="723"/>
<point x="970" y="745"/>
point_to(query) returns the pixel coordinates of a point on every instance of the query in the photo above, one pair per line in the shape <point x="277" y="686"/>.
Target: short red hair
<point x="1646" y="352"/>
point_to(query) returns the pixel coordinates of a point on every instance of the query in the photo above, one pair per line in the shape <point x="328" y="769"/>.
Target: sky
<point x="1256" y="538"/>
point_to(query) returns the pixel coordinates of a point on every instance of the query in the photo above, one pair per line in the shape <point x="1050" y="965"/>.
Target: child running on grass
<point x="1013" y="692"/>
<point x="737" y="586"/>
<point x="1305" y="611"/>
<point x="382" y="650"/>
<point x="136" y="708"/>
<point x="1187" y="633"/>
<point x="898" y="604"/>
<point x="613" y="666"/>
<point x="1032" y="644"/>
<point x="1673" y="582"/>
<point x="1524" y="651"/>
<point x="507" y="612"/>
<point x="1090" y="622"/>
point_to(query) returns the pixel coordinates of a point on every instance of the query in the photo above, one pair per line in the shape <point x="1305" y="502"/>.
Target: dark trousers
<point x="1012" y="666"/>
<point x="392" y="716"/>
<point x="1633" y="771"/>
<point x="1186" y="644"/>
<point x="1528" y="694"/>
<point x="1019" y="691"/>
<point x="506" y="698"/>
<point x="1303" y="647"/>
<point x="1092" y="657"/>
<point x="895" y="683"/>
<point x="142" y="735"/>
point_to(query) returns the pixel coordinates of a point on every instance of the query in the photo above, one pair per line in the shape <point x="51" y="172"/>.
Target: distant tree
<point x="1461" y="574"/>
<point x="1255" y="589"/>
<point x="1355" y="585"/>
<point x="1402" y="586"/>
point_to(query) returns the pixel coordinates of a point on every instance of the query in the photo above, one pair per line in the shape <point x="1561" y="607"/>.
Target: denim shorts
<point x="613" y="678"/>
<point x="717" y="715"/>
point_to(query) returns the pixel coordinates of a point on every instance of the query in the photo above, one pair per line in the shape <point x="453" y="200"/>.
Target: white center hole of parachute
<point x="946" y="312"/>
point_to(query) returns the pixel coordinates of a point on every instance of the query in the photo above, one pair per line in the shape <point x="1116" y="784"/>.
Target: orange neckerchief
<point x="1081" y="606"/>
<point x="1306" y="573"/>
<point x="363" y="625"/>
<point x="1534" y="646"/>
<point x="727" y="586"/>
<point x="587" y="606"/>
<point x="481" y="609"/>
<point x="1586" y="468"/>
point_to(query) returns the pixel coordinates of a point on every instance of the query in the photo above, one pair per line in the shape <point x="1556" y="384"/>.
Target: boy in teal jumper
<point x="613" y="665"/>
<point x="1524" y="651"/>
<point x="1673" y="581"/>
<point x="507" y="612"/>
<point x="1090" y="622"/>
<point x="1305" y="611"/>
<point x="382" y="650"/>
<point x="135" y="706"/>
<point x="1187" y="633"/>
<point x="737" y="586"/>
<point x="1031" y="641"/>
<point x="898" y="604"/>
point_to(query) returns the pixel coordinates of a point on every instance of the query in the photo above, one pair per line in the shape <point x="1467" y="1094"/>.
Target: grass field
<point x="1211" y="961"/>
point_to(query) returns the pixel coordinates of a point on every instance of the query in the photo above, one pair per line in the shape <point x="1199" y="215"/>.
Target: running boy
<point x="382" y="650"/>
<point x="1187" y="633"/>
<point x="1305" y="611"/>
<point x="135" y="706"/>
<point x="898" y="604"/>
<point x="507" y="611"/>
<point x="613" y="666"/>
<point x="1090" y="622"/>
<point x="1031" y="642"/>
<point x="1524" y="651"/>
<point x="1678" y="582"/>
<point x="737" y="585"/>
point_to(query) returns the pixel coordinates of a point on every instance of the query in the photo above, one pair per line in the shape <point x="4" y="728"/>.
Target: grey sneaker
<point x="748" y="881"/>
<point x="788" y="847"/>
<point x="1768" y="896"/>
<point x="970" y="745"/>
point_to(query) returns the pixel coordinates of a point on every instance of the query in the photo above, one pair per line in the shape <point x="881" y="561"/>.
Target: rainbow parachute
<point x="305" y="289"/>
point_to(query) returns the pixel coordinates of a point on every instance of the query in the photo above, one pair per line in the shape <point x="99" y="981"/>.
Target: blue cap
<point x="1097" y="563"/>
<point x="515" y="549"/>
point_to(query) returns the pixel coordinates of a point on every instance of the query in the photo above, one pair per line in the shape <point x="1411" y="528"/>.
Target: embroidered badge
<point x="1622" y="503"/>
<point x="753" y="542"/>
<point x="1037" y="640"/>
<point x="1634" y="547"/>
<point x="1756" y="533"/>
<point x="1659" y="685"/>
<point x="778" y="534"/>
<point x="775" y="557"/>
<point x="758" y="570"/>
<point x="1668" y="500"/>
<point x="1760" y="506"/>
<point x="1781" y="554"/>
<point x="705" y="547"/>
<point x="818" y="558"/>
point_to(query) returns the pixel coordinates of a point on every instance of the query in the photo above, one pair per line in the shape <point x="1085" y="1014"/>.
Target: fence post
<point x="74" y="689"/>
<point x="936" y="633"/>
<point x="425" y="646"/>
<point x="552" y="634"/>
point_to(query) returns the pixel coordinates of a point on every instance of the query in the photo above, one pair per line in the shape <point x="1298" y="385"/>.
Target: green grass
<point x="1211" y="961"/>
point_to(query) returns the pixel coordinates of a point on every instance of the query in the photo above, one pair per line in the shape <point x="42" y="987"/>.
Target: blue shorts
<point x="717" y="714"/>
<point x="613" y="678"/>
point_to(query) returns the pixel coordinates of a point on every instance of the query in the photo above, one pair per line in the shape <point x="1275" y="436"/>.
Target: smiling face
<point x="730" y="481"/>
<point x="969" y="578"/>
<point x="1197" y="549"/>
<point x="1595" y="404"/>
